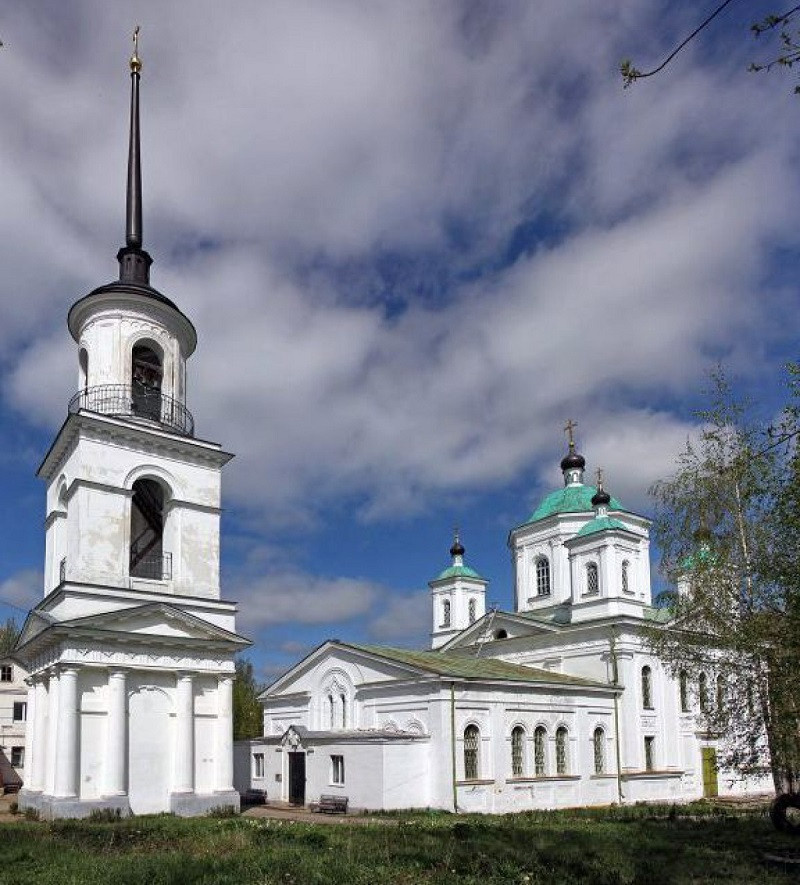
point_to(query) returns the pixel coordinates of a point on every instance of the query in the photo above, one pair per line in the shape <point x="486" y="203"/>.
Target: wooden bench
<point x="254" y="797"/>
<point x="330" y="804"/>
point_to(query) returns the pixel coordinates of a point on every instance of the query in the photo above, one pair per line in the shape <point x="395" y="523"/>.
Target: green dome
<point x="570" y="499"/>
<point x="458" y="571"/>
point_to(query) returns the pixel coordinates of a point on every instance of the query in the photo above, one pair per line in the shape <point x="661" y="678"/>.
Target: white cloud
<point x="403" y="618"/>
<point x="23" y="589"/>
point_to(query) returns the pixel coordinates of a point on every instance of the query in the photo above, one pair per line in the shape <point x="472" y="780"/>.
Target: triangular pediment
<point x="36" y="623"/>
<point x="496" y="626"/>
<point x="154" y="619"/>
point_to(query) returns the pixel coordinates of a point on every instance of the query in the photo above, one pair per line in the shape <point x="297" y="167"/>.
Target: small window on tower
<point x="626" y="582"/>
<point x="446" y="613"/>
<point x="472" y="611"/>
<point x="592" y="580"/>
<point x="146" y="374"/>
<point x="542" y="576"/>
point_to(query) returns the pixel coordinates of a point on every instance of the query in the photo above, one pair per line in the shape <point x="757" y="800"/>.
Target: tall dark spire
<point x="134" y="262"/>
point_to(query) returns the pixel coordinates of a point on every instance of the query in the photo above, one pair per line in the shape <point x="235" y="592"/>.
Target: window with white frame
<point x="343" y="700"/>
<point x="20" y="711"/>
<point x="17" y="757"/>
<point x="599" y="747"/>
<point x="331" y="712"/>
<point x="6" y="673"/>
<point x="647" y="688"/>
<point x="542" y="576"/>
<point x="592" y="579"/>
<point x="540" y="751"/>
<point x="446" y="613"/>
<point x="683" y="690"/>
<point x="472" y="739"/>
<point x="649" y="753"/>
<point x="626" y="581"/>
<point x="562" y="759"/>
<point x="472" y="611"/>
<point x="517" y="751"/>
<point x="258" y="765"/>
<point x="337" y="770"/>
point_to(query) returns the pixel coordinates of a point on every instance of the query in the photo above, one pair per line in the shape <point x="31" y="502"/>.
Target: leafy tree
<point x="724" y="525"/>
<point x="8" y="636"/>
<point x="247" y="715"/>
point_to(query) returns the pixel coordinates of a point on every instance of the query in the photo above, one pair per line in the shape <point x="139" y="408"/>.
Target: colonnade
<point x="52" y="755"/>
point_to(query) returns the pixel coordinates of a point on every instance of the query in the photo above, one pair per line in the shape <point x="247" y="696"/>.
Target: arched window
<point x="599" y="746"/>
<point x="592" y="579"/>
<point x="542" y="576"/>
<point x="517" y="751"/>
<point x="721" y="691"/>
<point x="626" y="588"/>
<point x="343" y="699"/>
<point x="446" y="613"/>
<point x="562" y="762"/>
<point x="331" y="712"/>
<point x="147" y="556"/>
<point x="647" y="688"/>
<point x="471" y="744"/>
<point x="146" y="374"/>
<point x="83" y="368"/>
<point x="539" y="751"/>
<point x="472" y="611"/>
<point x="702" y="691"/>
<point x="683" y="687"/>
<point x="649" y="753"/>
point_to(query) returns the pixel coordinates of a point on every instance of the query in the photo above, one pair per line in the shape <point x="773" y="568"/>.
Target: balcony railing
<point x="124" y="401"/>
<point x="153" y="567"/>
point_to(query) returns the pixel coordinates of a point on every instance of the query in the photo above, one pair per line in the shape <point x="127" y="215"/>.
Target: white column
<point x="117" y="734"/>
<point x="49" y="768"/>
<point x="35" y="779"/>
<point x="184" y="734"/>
<point x="66" y="773"/>
<point x="30" y="725"/>
<point x="224" y="733"/>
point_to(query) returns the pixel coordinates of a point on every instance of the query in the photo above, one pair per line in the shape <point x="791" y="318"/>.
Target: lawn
<point x="651" y="846"/>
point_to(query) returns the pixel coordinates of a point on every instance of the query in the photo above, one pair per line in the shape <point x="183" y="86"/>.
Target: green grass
<point x="619" y="846"/>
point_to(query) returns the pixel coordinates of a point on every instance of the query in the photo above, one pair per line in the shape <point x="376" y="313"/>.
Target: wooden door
<point x="297" y="778"/>
<point x="709" y="757"/>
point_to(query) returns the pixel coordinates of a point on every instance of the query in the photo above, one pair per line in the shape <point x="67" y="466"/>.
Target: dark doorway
<point x="297" y="778"/>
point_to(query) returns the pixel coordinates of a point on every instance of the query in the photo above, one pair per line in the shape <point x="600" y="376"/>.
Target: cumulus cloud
<point x="23" y="589"/>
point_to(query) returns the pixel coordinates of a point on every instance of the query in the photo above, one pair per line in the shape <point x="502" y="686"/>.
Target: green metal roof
<point x="458" y="571"/>
<point x="601" y="524"/>
<point x="570" y="499"/>
<point x="446" y="664"/>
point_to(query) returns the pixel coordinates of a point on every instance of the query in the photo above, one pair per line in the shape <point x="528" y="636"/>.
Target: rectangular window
<point x="258" y="765"/>
<point x="337" y="770"/>
<point x="20" y="711"/>
<point x="649" y="753"/>
<point x="6" y="673"/>
<point x="18" y="756"/>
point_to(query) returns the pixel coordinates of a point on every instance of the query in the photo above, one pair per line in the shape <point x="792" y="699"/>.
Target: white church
<point x="131" y="650"/>
<point x="557" y="703"/>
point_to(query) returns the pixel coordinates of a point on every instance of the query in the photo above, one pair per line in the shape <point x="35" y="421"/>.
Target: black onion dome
<point x="457" y="549"/>
<point x="601" y="496"/>
<point x="572" y="461"/>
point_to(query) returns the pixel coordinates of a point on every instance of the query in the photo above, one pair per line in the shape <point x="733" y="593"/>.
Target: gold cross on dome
<point x="568" y="428"/>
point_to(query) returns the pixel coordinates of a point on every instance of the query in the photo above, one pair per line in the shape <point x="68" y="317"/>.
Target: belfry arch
<point x="147" y="373"/>
<point x="148" y="559"/>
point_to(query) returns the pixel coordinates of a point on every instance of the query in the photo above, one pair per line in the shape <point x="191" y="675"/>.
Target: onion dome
<point x="458" y="548"/>
<point x="572" y="460"/>
<point x="600" y="498"/>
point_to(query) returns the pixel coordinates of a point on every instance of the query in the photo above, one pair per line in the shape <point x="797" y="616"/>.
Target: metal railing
<point x="153" y="567"/>
<point x="125" y="401"/>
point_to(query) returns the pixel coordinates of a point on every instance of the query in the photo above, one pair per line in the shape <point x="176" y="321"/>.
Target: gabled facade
<point x="130" y="652"/>
<point x="559" y="702"/>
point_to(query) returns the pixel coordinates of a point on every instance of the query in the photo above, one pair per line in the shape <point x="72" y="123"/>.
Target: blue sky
<point x="415" y="238"/>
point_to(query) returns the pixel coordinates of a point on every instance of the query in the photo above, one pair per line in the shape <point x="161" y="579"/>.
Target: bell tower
<point x="131" y="649"/>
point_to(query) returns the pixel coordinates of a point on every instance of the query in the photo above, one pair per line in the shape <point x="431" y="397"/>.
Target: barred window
<point x="542" y="576"/>
<point x="472" y="611"/>
<point x="517" y="751"/>
<point x="562" y="766"/>
<point x="625" y="577"/>
<point x="649" y="753"/>
<point x="539" y="755"/>
<point x="599" y="746"/>
<point x="702" y="691"/>
<point x="446" y="613"/>
<point x="592" y="580"/>
<point x="471" y="742"/>
<point x="647" y="688"/>
<point x="683" y="687"/>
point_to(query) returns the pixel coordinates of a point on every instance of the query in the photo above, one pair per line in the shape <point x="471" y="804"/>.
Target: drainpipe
<point x="615" y="682"/>
<point x="453" y="744"/>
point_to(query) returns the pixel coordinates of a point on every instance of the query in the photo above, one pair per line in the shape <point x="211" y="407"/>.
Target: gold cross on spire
<point x="136" y="64"/>
<point x="568" y="428"/>
<point x="599" y="478"/>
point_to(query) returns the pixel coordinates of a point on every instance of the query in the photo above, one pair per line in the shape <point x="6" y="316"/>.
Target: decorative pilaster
<point x="116" y="780"/>
<point x="49" y="781"/>
<point x="66" y="755"/>
<point x="184" y="734"/>
<point x="224" y="733"/>
<point x="36" y="777"/>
